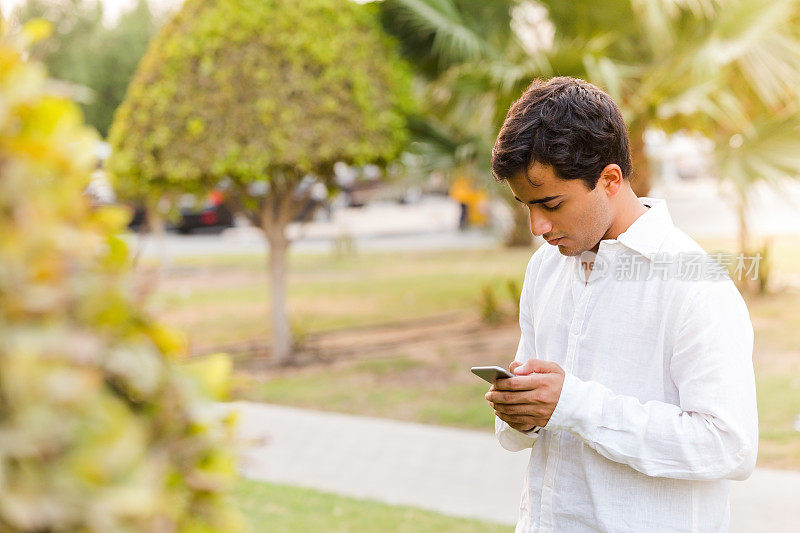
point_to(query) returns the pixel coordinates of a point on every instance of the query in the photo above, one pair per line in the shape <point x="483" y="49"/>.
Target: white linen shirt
<point x="658" y="407"/>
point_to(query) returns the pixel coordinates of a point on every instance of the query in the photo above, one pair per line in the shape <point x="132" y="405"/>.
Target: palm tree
<point x="458" y="116"/>
<point x="729" y="69"/>
<point x="475" y="61"/>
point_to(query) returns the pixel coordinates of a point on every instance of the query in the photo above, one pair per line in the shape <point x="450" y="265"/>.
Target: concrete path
<point x="456" y="472"/>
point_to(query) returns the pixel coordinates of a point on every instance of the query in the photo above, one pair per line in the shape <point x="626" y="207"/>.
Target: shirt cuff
<point x="575" y="408"/>
<point x="532" y="433"/>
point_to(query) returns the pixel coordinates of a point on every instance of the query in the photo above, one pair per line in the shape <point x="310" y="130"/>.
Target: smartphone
<point x="491" y="373"/>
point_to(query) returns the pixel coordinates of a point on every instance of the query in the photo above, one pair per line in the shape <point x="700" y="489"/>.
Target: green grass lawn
<point x="399" y="388"/>
<point x="280" y="508"/>
<point x="225" y="299"/>
<point x="222" y="299"/>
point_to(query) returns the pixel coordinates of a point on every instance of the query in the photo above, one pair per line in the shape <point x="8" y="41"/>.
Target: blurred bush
<point x="491" y="313"/>
<point x="101" y="428"/>
<point x="493" y="310"/>
<point x="514" y="294"/>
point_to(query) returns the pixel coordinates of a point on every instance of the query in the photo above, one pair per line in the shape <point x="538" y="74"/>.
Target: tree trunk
<point x="279" y="207"/>
<point x="641" y="181"/>
<point x="276" y="213"/>
<point x="281" y="332"/>
<point x="744" y="232"/>
<point x="745" y="284"/>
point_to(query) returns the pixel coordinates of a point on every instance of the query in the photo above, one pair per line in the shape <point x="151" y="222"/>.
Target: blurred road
<point x="453" y="471"/>
<point x="429" y="224"/>
<point x="698" y="207"/>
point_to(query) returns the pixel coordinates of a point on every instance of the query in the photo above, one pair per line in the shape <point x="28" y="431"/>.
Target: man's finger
<point x="513" y="397"/>
<point x="528" y="382"/>
<point x="514" y="409"/>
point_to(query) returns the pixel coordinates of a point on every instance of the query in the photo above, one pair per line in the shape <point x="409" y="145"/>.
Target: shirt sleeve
<point x="713" y="433"/>
<point x="510" y="438"/>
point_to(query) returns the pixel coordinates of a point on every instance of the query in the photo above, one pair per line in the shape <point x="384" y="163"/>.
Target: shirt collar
<point x="648" y="232"/>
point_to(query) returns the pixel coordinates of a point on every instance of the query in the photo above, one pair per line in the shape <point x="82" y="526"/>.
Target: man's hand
<point x="528" y="399"/>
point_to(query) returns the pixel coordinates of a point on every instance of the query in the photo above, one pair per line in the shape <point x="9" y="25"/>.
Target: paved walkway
<point x="452" y="471"/>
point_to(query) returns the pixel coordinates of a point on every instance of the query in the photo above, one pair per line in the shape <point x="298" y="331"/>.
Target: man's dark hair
<point x="566" y="123"/>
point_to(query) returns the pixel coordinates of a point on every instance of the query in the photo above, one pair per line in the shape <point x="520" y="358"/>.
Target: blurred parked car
<point x="210" y="214"/>
<point x="206" y="214"/>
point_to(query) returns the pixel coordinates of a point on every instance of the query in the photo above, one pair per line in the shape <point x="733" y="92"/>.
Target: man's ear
<point x="611" y="179"/>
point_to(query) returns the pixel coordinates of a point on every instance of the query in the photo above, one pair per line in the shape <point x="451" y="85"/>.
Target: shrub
<point x="490" y="309"/>
<point x="101" y="427"/>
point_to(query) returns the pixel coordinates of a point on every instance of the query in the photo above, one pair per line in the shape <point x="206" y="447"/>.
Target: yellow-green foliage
<point x="251" y="88"/>
<point x="101" y="428"/>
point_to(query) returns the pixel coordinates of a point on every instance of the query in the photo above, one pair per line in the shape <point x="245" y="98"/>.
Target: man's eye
<point x="552" y="208"/>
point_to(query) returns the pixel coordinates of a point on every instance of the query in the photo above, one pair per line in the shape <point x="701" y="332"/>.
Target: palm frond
<point x="768" y="152"/>
<point x="759" y="38"/>
<point x="435" y="28"/>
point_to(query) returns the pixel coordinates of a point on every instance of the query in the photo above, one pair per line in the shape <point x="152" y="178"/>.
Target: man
<point x="634" y="379"/>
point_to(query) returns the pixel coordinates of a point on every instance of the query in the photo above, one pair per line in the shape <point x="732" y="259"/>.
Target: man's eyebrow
<point x="540" y="201"/>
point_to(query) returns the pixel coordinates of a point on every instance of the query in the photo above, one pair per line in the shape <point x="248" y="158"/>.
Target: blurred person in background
<point x="634" y="390"/>
<point x="473" y="203"/>
<point x="460" y="191"/>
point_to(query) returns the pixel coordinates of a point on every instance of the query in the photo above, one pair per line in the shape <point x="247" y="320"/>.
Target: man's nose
<point x="539" y="224"/>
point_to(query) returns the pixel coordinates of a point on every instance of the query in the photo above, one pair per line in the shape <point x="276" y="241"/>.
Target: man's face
<point x="577" y="217"/>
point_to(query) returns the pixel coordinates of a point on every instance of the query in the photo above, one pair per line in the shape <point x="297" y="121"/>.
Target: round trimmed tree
<point x="261" y="93"/>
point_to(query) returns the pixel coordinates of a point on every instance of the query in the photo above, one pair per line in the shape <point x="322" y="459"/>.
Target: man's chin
<point x="568" y="251"/>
